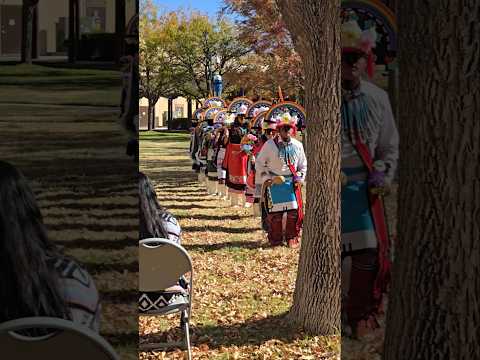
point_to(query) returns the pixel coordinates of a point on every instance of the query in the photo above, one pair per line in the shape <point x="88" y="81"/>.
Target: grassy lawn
<point x="74" y="157"/>
<point x="35" y="84"/>
<point x="242" y="288"/>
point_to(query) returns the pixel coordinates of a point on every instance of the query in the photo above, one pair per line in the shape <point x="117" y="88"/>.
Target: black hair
<point x="151" y="225"/>
<point x="29" y="286"/>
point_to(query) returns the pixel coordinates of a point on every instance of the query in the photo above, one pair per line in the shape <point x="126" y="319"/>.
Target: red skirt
<point x="235" y="164"/>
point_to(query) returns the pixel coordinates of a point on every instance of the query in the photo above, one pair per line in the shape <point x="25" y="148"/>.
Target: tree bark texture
<point x="315" y="28"/>
<point x="434" y="303"/>
<point x="151" y="113"/>
<point x="189" y="109"/>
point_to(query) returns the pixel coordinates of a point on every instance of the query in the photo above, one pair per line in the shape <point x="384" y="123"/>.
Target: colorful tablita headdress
<point x="286" y="119"/>
<point x="354" y="39"/>
<point x="287" y="113"/>
<point x="240" y="105"/>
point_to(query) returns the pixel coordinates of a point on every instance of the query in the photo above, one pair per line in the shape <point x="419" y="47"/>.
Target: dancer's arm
<point x="388" y="140"/>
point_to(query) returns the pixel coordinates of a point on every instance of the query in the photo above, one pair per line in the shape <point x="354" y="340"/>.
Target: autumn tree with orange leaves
<point x="275" y="63"/>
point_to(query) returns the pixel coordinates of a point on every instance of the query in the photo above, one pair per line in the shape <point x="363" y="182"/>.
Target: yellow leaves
<point x="241" y="286"/>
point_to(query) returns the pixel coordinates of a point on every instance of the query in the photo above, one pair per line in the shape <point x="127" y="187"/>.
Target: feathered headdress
<point x="354" y="39"/>
<point x="286" y="119"/>
<point x="269" y="125"/>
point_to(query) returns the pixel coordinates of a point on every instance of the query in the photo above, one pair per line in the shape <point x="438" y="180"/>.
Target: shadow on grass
<point x="167" y="138"/>
<point x="119" y="296"/>
<point x="123" y="339"/>
<point x="188" y="191"/>
<point x="60" y="84"/>
<point x="96" y="268"/>
<point x="212" y="217"/>
<point x="192" y="206"/>
<point x="231" y="244"/>
<point x="115" y="244"/>
<point x="224" y="229"/>
<point x="160" y="132"/>
<point x="192" y="199"/>
<point x="168" y="184"/>
<point x="253" y="332"/>
<point x="170" y="177"/>
<point x="162" y="164"/>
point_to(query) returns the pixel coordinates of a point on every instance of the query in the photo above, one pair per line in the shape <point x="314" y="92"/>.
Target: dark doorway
<point x="61" y="31"/>
<point x="11" y="29"/>
<point x="143" y="117"/>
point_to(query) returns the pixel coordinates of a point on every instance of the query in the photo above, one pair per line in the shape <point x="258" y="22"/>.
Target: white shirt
<point x="269" y="164"/>
<point x="382" y="138"/>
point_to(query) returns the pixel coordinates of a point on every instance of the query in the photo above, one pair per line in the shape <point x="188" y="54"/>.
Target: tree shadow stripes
<point x="230" y="244"/>
<point x="253" y="332"/>
<point x="222" y="229"/>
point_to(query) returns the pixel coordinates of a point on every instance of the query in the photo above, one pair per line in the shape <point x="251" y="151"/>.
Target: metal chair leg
<point x="186" y="328"/>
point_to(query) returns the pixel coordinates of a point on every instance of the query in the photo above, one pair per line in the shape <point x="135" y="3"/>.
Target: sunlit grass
<point x="242" y="288"/>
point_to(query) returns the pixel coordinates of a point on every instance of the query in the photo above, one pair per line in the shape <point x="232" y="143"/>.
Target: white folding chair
<point x="162" y="264"/>
<point x="63" y="340"/>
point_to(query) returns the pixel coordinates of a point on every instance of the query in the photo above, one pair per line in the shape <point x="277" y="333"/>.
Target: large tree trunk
<point x="434" y="303"/>
<point x="315" y="26"/>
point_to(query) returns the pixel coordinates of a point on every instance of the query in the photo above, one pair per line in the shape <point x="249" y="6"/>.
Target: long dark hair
<point x="29" y="284"/>
<point x="150" y="211"/>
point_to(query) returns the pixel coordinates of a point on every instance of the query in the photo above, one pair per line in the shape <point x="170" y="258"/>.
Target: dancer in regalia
<point x="281" y="165"/>
<point x="369" y="159"/>
<point x="249" y="146"/>
<point x="269" y="131"/>
<point x="235" y="164"/>
<point x="221" y="141"/>
<point x="210" y="149"/>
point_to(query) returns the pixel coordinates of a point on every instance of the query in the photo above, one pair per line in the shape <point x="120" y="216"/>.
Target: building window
<point x="178" y="112"/>
<point x="95" y="18"/>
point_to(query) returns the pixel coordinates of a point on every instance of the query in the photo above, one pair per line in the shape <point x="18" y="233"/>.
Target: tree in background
<point x="202" y="48"/>
<point x="180" y="53"/>
<point x="262" y="27"/>
<point x="436" y="274"/>
<point x="159" y="76"/>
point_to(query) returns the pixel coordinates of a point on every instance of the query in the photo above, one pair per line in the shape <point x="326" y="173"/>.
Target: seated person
<point x="157" y="222"/>
<point x="37" y="279"/>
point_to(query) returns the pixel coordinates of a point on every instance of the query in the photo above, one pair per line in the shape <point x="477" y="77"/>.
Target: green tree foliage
<point x="180" y="52"/>
<point x="261" y="26"/>
<point x="158" y="74"/>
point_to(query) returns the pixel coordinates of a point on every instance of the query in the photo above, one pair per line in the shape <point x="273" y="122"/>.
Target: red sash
<point x="298" y="190"/>
<point x="298" y="195"/>
<point x="378" y="215"/>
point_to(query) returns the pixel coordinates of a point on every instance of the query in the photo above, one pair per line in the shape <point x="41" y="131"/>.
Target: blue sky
<point x="210" y="7"/>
